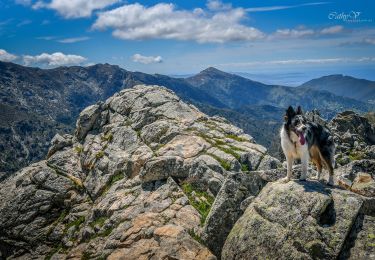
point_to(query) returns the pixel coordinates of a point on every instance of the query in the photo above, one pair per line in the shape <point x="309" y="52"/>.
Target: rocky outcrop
<point x="358" y="176"/>
<point x="354" y="136"/>
<point x="300" y="220"/>
<point x="136" y="180"/>
<point x="355" y="153"/>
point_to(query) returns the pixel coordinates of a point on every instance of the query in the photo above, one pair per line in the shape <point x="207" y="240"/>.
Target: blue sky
<point x="285" y="42"/>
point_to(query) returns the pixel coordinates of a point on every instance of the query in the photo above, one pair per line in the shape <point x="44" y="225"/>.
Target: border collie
<point x="306" y="141"/>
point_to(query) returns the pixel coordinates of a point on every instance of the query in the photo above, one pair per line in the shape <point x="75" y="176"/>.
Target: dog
<point x="304" y="140"/>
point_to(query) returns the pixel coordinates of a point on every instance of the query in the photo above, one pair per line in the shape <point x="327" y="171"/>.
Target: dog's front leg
<point x="304" y="162"/>
<point x="289" y="166"/>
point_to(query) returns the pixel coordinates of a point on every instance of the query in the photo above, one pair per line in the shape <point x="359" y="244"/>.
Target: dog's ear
<point x="290" y="113"/>
<point x="299" y="110"/>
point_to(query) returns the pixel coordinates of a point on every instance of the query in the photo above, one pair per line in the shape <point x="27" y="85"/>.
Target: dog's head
<point x="296" y="122"/>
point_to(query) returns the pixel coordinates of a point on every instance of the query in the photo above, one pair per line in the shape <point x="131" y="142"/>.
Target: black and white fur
<point x="306" y="141"/>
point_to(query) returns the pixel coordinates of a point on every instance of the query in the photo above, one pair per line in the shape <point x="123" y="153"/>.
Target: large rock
<point x="358" y="126"/>
<point x="358" y="176"/>
<point x="297" y="220"/>
<point x="226" y="209"/>
<point x="122" y="186"/>
<point x="30" y="202"/>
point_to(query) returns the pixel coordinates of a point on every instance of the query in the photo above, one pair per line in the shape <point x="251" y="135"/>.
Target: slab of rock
<point x="184" y="146"/>
<point x="58" y="142"/>
<point x="361" y="241"/>
<point x="30" y="201"/>
<point x="297" y="220"/>
<point x="227" y="207"/>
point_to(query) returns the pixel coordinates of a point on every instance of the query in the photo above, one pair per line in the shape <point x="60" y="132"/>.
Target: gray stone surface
<point x="227" y="207"/>
<point x="297" y="220"/>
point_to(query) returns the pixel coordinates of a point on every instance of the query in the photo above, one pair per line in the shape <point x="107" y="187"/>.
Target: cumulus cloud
<point x="164" y="21"/>
<point x="74" y="8"/>
<point x="74" y="39"/>
<point x="53" y="60"/>
<point x="332" y="30"/>
<point x="216" y="5"/>
<point x="146" y="59"/>
<point x="6" y="56"/>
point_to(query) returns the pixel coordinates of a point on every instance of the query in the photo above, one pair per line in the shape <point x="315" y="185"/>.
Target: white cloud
<point x="298" y="61"/>
<point x="74" y="8"/>
<point x="361" y="43"/>
<point x="332" y="30"/>
<point x="73" y="40"/>
<point x="6" y="56"/>
<point x="163" y="21"/>
<point x="64" y="40"/>
<point x="293" y="33"/>
<point x="53" y="60"/>
<point x="146" y="59"/>
<point x="46" y="38"/>
<point x="216" y="5"/>
<point x="303" y="32"/>
<point x="369" y="41"/>
<point x="281" y="7"/>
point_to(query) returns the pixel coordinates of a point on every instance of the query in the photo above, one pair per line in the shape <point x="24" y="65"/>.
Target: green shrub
<point x="223" y="163"/>
<point x="244" y="167"/>
<point x="86" y="256"/>
<point x="108" y="137"/>
<point x="78" y="149"/>
<point x="99" y="154"/>
<point x="76" y="223"/>
<point x="230" y="151"/>
<point x="237" y="138"/>
<point x="355" y="155"/>
<point x="112" y="180"/>
<point x="195" y="236"/>
<point x="99" y="221"/>
<point x="202" y="206"/>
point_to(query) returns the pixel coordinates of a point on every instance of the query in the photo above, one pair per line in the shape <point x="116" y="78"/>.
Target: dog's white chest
<point x="291" y="146"/>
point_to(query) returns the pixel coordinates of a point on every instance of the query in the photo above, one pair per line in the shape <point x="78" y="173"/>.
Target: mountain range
<point x="36" y="103"/>
<point x="346" y="86"/>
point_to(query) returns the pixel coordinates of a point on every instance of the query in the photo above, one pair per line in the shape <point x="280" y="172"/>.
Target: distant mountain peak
<point x="346" y="86"/>
<point x="213" y="70"/>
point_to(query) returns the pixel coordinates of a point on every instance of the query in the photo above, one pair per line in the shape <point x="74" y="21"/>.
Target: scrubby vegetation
<point x="200" y="200"/>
